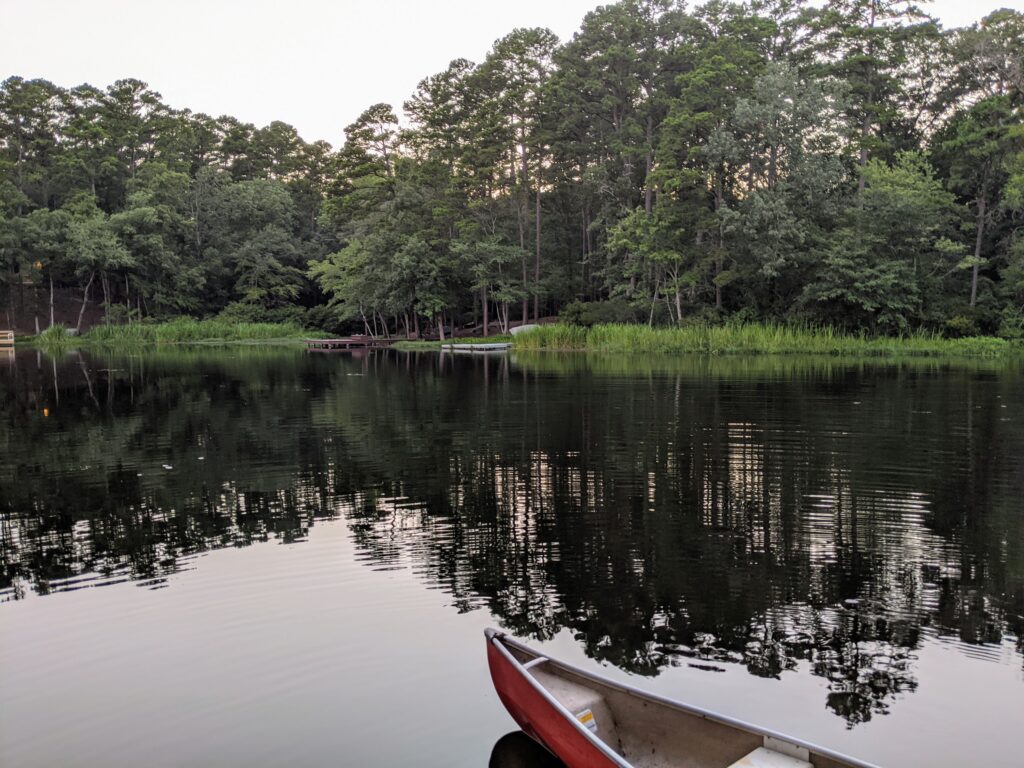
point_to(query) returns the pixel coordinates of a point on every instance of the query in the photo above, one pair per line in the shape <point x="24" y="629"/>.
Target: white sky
<point x="313" y="63"/>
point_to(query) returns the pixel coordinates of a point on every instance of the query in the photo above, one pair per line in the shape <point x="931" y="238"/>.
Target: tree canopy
<point x="853" y="164"/>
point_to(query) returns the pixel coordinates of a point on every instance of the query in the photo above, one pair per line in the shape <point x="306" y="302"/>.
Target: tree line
<point x="854" y="164"/>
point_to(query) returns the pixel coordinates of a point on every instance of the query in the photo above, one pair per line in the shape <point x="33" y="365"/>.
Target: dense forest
<point x="854" y="165"/>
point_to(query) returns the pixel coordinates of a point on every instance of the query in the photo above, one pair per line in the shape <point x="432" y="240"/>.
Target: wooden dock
<point x="348" y="342"/>
<point x="483" y="347"/>
<point x="6" y="338"/>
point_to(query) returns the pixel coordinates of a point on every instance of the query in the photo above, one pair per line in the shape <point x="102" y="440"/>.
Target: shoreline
<point x="735" y="339"/>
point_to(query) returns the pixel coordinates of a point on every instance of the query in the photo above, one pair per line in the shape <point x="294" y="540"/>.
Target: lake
<point x="257" y="556"/>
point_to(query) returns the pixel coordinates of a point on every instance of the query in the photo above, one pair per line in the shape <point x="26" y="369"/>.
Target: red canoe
<point x="591" y="722"/>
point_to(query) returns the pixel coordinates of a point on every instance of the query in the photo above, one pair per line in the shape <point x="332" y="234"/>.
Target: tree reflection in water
<point x="772" y="514"/>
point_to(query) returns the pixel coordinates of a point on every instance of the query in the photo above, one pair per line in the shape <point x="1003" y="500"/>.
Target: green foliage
<point x="876" y="267"/>
<point x="590" y="313"/>
<point x="846" y="164"/>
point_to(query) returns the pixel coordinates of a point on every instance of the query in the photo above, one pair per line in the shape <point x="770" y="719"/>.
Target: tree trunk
<point x="536" y="262"/>
<point x="51" y="300"/>
<point x="106" y="295"/>
<point x="85" y="300"/>
<point x="865" y="128"/>
<point x="649" y="189"/>
<point x="654" y="301"/>
<point x="865" y="131"/>
<point x="977" y="248"/>
<point x="483" y="302"/>
<point x="523" y="205"/>
<point x="440" y="325"/>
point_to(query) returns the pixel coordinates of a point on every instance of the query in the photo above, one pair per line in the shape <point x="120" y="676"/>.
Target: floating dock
<point x="495" y="347"/>
<point x="348" y="342"/>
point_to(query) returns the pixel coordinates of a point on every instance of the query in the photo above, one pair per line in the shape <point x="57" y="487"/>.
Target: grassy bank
<point x="756" y="339"/>
<point x="179" y="331"/>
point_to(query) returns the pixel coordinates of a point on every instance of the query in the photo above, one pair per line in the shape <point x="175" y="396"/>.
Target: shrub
<point x="590" y="313"/>
<point x="959" y="326"/>
<point x="1012" y="326"/>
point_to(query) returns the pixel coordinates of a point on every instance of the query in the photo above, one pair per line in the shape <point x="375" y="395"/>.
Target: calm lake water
<point x="260" y="557"/>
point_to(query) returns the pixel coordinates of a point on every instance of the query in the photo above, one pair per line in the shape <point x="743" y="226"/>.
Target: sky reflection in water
<point x="850" y="535"/>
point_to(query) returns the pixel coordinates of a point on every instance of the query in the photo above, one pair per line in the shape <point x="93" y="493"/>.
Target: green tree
<point x="877" y="263"/>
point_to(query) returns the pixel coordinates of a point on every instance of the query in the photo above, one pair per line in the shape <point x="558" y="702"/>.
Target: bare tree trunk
<point x="106" y="295"/>
<point x="654" y="301"/>
<point x="865" y="131"/>
<point x="649" y="188"/>
<point x="127" y="298"/>
<point x="718" y="287"/>
<point x="51" y="300"/>
<point x="85" y="300"/>
<point x="536" y="263"/>
<point x="483" y="302"/>
<point x="522" y="205"/>
<point x="977" y="249"/>
<point x="679" y="303"/>
<point x="440" y="325"/>
<point x="865" y="128"/>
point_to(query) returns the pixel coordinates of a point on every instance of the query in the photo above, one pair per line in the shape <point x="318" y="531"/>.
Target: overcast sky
<point x="313" y="63"/>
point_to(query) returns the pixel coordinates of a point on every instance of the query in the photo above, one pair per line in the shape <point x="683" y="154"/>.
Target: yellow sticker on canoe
<point x="586" y="717"/>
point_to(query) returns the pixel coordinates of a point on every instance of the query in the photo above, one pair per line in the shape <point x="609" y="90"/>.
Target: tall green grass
<point x="55" y="339"/>
<point x="186" y="330"/>
<point x="755" y="339"/>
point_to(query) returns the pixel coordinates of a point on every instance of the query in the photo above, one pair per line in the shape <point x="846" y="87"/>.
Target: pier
<point x="348" y="342"/>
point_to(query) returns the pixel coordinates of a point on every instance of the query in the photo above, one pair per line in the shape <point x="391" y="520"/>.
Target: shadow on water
<point x="773" y="514"/>
<point x="517" y="750"/>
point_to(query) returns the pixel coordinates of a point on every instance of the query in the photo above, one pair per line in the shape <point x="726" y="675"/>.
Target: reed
<point x="756" y="339"/>
<point x="179" y="331"/>
<point x="54" y="339"/>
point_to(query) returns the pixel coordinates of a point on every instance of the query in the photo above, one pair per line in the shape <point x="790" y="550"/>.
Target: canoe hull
<point x="546" y="697"/>
<point x="539" y="718"/>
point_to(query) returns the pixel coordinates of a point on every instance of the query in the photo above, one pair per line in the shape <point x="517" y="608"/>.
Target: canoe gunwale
<point x="500" y="640"/>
